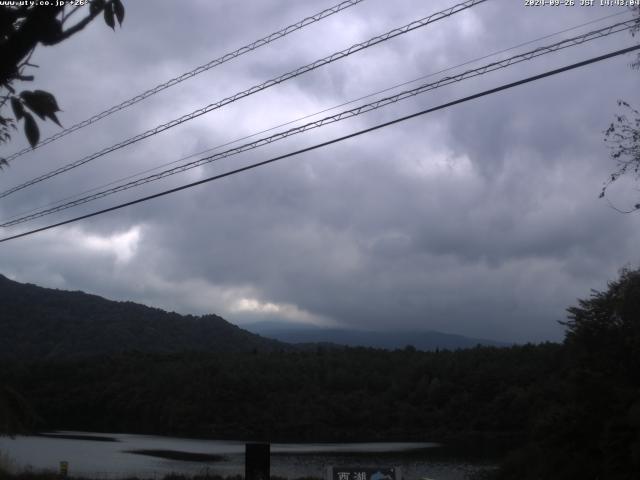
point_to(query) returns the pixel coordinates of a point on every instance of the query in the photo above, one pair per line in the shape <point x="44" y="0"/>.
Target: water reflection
<point x="109" y="459"/>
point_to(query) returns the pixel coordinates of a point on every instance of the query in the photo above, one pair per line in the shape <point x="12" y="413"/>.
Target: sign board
<point x="64" y="469"/>
<point x="363" y="473"/>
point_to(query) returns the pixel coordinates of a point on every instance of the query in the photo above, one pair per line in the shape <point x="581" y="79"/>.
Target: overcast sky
<point x="481" y="219"/>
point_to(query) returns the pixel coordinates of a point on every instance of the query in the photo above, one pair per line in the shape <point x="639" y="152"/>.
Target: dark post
<point x="257" y="461"/>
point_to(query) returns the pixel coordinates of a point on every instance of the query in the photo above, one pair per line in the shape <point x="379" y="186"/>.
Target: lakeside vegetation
<point x="353" y="394"/>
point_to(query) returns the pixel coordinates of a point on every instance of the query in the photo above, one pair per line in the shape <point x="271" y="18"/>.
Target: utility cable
<point x="257" y="88"/>
<point x="579" y="40"/>
<point x="192" y="73"/>
<point x="299" y="119"/>
<point x="330" y="142"/>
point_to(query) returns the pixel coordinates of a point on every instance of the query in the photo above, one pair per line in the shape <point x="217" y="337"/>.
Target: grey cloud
<point x="481" y="220"/>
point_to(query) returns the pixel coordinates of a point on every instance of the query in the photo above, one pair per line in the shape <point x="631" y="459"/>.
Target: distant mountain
<point x="391" y="340"/>
<point x="38" y="323"/>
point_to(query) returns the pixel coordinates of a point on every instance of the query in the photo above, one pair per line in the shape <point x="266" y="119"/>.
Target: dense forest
<point x="566" y="411"/>
<point x="346" y="394"/>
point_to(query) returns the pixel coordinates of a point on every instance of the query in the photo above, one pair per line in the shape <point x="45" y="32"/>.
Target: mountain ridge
<point x="390" y="340"/>
<point x="44" y="323"/>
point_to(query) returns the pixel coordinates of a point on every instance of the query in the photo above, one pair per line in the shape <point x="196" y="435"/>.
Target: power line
<point x="578" y="40"/>
<point x="257" y="88"/>
<point x="255" y="134"/>
<point x="330" y="142"/>
<point x="364" y="97"/>
<point x="192" y="73"/>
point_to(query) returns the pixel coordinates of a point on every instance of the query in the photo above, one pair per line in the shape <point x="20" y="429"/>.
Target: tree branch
<point x="81" y="24"/>
<point x="25" y="39"/>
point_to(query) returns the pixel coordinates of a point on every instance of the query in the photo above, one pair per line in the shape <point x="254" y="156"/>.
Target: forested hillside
<point x="38" y="323"/>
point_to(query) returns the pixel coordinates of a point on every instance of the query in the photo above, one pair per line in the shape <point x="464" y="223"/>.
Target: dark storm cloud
<point x="481" y="219"/>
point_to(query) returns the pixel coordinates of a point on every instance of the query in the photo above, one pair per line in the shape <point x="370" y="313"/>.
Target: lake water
<point x="110" y="460"/>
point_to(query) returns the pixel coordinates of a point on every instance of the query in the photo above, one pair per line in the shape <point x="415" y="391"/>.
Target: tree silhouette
<point x="16" y="416"/>
<point x="608" y="322"/>
<point x="22" y="29"/>
<point x="623" y="136"/>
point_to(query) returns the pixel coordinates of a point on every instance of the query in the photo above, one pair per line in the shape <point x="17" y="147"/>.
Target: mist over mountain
<point x="310" y="334"/>
<point x="44" y="323"/>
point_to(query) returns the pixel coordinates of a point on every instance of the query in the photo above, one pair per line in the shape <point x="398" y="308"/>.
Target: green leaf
<point x="108" y="16"/>
<point x="31" y="129"/>
<point x="18" y="109"/>
<point x="118" y="9"/>
<point x="42" y="104"/>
